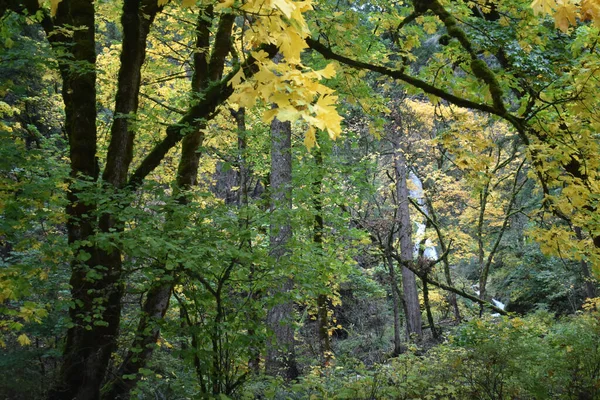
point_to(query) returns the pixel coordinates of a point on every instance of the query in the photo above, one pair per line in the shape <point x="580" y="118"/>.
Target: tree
<point x="96" y="278"/>
<point x="410" y="296"/>
<point x="280" y="359"/>
<point x="539" y="101"/>
<point x="143" y="229"/>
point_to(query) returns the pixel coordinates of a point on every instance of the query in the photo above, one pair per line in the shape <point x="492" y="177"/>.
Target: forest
<point x="299" y="199"/>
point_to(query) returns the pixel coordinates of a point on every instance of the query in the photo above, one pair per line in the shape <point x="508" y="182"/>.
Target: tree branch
<point x="214" y="96"/>
<point x="459" y="292"/>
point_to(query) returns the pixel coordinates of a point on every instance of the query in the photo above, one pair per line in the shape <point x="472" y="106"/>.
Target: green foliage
<point x="530" y="358"/>
<point x="532" y="281"/>
<point x="213" y="254"/>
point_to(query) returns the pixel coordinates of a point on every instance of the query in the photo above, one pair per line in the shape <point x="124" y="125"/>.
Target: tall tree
<point x="96" y="269"/>
<point x="208" y="69"/>
<point x="410" y="294"/>
<point x="280" y="317"/>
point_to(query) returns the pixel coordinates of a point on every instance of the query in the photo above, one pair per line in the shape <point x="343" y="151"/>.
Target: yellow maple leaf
<point x="23" y="340"/>
<point x="286" y="7"/>
<point x="328" y="117"/>
<point x="288" y="113"/>
<point x="590" y="10"/>
<point x="237" y="78"/>
<point x="188" y="3"/>
<point x="327" y="72"/>
<point x="269" y="115"/>
<point x="291" y="45"/>
<point x="565" y="15"/>
<point x="310" y="139"/>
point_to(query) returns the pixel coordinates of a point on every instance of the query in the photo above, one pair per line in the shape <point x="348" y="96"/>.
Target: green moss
<point x="483" y="72"/>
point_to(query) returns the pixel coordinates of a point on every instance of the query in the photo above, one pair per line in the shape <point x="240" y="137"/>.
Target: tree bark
<point x="280" y="359"/>
<point x="483" y="266"/>
<point x="95" y="282"/>
<point x="243" y="200"/>
<point x="96" y="311"/>
<point x="410" y="294"/>
<point x="434" y="331"/>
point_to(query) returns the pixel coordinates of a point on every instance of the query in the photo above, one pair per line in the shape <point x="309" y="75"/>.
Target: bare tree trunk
<point x="410" y="299"/>
<point x="280" y="348"/>
<point x="483" y="267"/>
<point x="243" y="200"/>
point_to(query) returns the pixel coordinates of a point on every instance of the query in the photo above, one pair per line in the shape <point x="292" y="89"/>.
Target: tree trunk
<point x="410" y="298"/>
<point x="280" y="359"/>
<point x="243" y="199"/>
<point x="158" y="296"/>
<point x="395" y="305"/>
<point x="483" y="267"/>
<point x="434" y="331"/>
<point x="95" y="316"/>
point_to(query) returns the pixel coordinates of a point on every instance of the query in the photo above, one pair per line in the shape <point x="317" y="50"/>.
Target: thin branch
<point x="162" y="104"/>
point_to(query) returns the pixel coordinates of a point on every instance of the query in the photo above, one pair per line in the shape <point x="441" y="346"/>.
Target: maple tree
<point x="177" y="195"/>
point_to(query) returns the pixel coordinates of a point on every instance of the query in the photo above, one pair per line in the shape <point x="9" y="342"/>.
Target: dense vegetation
<point x="299" y="199"/>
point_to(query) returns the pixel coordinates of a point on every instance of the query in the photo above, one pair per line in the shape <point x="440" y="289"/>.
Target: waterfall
<point x="416" y="192"/>
<point x="499" y="304"/>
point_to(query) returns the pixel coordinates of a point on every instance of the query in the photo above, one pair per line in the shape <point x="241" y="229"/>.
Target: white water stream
<point x="416" y="192"/>
<point x="495" y="302"/>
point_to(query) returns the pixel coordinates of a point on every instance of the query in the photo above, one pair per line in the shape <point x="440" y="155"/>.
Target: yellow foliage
<point x="565" y="15"/>
<point x="566" y="12"/>
<point x="310" y="138"/>
<point x="291" y="86"/>
<point x="590" y="10"/>
<point x="543" y="6"/>
<point x="23" y="340"/>
<point x="592" y="305"/>
<point x="53" y="6"/>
